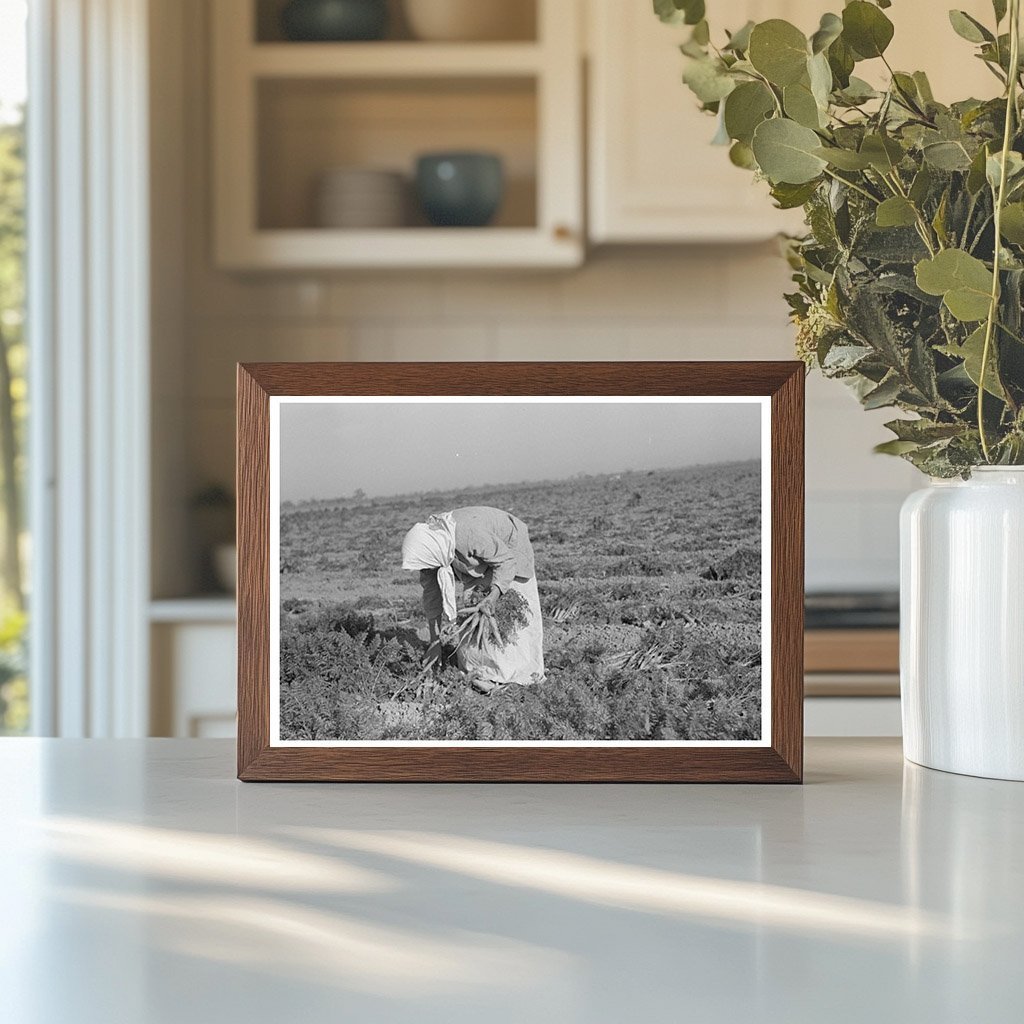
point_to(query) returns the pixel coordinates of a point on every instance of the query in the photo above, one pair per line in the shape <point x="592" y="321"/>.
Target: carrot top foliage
<point x="652" y="625"/>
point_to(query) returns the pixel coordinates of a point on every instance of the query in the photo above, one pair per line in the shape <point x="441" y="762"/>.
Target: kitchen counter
<point x="142" y="884"/>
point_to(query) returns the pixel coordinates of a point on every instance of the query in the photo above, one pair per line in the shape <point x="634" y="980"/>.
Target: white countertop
<point x="143" y="885"/>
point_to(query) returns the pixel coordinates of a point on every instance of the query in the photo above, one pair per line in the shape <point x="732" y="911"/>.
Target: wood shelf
<point x="862" y="651"/>
<point x="310" y="248"/>
<point x="206" y="608"/>
<point x="393" y="60"/>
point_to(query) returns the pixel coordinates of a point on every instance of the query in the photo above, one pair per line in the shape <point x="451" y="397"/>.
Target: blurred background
<point x="245" y="180"/>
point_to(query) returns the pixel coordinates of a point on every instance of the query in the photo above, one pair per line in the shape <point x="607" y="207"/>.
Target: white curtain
<point x="88" y="318"/>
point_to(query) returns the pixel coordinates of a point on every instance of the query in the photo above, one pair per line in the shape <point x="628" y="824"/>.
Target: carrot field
<point x="650" y="585"/>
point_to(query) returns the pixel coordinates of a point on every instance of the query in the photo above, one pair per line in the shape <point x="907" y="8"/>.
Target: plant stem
<point x="1000" y="199"/>
<point x="969" y="218"/>
<point x="856" y="188"/>
<point x="981" y="231"/>
<point x="923" y="228"/>
<point x="771" y="89"/>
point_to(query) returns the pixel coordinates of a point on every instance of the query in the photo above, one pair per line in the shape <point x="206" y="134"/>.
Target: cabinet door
<point x="653" y="175"/>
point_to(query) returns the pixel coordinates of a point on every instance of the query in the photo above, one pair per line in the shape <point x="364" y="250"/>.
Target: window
<point x="14" y="549"/>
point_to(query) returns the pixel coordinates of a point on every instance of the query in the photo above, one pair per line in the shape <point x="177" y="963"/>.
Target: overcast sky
<point x="12" y="56"/>
<point x="332" y="449"/>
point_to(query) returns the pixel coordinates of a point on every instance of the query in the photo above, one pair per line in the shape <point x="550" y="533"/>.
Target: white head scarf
<point x="431" y="545"/>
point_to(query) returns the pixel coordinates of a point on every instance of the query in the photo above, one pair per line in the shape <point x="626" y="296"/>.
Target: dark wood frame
<point x="782" y="761"/>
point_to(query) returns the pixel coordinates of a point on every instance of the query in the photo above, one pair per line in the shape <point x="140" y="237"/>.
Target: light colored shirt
<point x="487" y="540"/>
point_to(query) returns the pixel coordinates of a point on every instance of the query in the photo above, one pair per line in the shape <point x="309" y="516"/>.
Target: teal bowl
<point x="460" y="190"/>
<point x="334" y="21"/>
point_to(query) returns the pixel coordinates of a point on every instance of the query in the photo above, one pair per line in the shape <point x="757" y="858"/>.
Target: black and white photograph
<point x="519" y="571"/>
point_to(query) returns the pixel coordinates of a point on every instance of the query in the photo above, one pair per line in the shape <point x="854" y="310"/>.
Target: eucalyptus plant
<point x="910" y="278"/>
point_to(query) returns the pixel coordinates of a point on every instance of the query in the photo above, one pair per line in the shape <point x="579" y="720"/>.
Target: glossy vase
<point x="962" y="624"/>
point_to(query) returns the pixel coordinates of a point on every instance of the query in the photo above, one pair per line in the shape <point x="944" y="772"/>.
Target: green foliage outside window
<point x="13" y="412"/>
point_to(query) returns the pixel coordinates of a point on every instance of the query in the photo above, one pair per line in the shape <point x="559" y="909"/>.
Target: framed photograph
<point x="520" y="572"/>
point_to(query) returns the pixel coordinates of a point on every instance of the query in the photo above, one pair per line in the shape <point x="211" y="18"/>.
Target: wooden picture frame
<point x="777" y="758"/>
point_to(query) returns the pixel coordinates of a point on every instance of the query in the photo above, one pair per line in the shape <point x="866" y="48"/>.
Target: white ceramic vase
<point x="962" y="624"/>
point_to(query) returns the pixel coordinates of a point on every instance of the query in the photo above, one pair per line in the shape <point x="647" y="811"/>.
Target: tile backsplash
<point x="701" y="303"/>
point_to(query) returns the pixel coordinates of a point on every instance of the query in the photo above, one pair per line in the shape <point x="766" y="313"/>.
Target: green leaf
<point x="668" y="12"/>
<point x="708" y="80"/>
<point x="896" y="447"/>
<point x="921" y="185"/>
<point x="841" y="60"/>
<point x="675" y="12"/>
<point x="694" y="11"/>
<point x="741" y="155"/>
<point x="820" y="76"/>
<point x="896" y="212"/>
<point x="924" y="87"/>
<point x="785" y="152"/>
<point x="947" y="156"/>
<point x="844" y="159"/>
<point x="976" y="174"/>
<point x="800" y="105"/>
<point x="1014" y="169"/>
<point x="739" y="41"/>
<point x="963" y="281"/>
<point x="746" y="107"/>
<point x="694" y="49"/>
<point x="1012" y="226"/>
<point x="971" y="352"/>
<point x="778" y="50"/>
<point x="830" y="29"/>
<point x="866" y="29"/>
<point x="923" y="431"/>
<point x="789" y="197"/>
<point x="887" y="393"/>
<point x="969" y="28"/>
<point x="882" y="153"/>
<point x="858" y="91"/>
<point x="906" y="90"/>
<point x="939" y="220"/>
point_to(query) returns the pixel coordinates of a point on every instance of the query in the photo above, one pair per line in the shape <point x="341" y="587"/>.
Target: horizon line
<point x="519" y="483"/>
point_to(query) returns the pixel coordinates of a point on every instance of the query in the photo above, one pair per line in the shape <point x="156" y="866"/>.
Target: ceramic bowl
<point x="460" y="189"/>
<point x="470" y="20"/>
<point x="360" y="197"/>
<point x="334" y="20"/>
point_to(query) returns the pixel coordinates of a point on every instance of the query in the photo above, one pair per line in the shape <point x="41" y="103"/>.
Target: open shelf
<point x="520" y="18"/>
<point x="286" y="114"/>
<point x="308" y="127"/>
<point x="393" y="60"/>
<point x="406" y="248"/>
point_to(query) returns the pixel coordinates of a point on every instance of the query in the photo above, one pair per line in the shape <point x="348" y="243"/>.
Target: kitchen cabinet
<point x="287" y="113"/>
<point x="193" y="671"/>
<point x="653" y="175"/>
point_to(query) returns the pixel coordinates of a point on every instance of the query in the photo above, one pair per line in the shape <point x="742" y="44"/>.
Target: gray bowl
<point x="334" y="20"/>
<point x="461" y="190"/>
